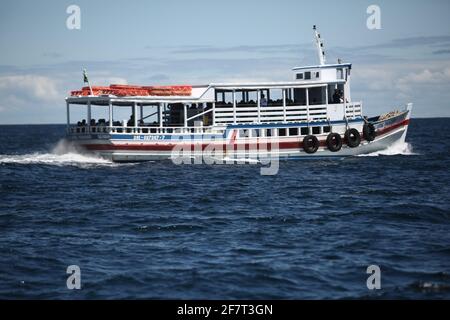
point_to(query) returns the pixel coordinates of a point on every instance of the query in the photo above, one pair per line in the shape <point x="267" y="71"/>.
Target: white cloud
<point x="29" y="86"/>
<point x="427" y="77"/>
<point x="19" y="92"/>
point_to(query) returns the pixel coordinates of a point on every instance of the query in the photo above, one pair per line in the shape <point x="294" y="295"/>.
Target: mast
<point x="319" y="45"/>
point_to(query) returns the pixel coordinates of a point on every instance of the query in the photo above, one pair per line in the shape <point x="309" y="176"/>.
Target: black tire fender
<point x="310" y="144"/>
<point x="334" y="142"/>
<point x="369" y="132"/>
<point x="352" y="138"/>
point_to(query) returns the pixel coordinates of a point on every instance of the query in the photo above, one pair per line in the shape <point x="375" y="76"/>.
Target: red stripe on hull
<point x="393" y="127"/>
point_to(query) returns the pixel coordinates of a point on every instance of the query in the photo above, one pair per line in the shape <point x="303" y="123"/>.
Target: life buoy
<point x="369" y="132"/>
<point x="352" y="137"/>
<point x="310" y="144"/>
<point x="334" y="142"/>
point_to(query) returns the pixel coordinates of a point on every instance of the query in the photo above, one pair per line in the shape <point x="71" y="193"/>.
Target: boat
<point x="309" y="115"/>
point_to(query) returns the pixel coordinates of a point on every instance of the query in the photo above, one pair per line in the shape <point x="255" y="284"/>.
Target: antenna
<point x="319" y="45"/>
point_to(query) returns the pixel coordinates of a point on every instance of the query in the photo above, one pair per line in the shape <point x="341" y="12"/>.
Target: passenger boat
<point x="310" y="115"/>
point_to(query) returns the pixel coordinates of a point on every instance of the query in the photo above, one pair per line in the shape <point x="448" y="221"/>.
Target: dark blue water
<point x="158" y="230"/>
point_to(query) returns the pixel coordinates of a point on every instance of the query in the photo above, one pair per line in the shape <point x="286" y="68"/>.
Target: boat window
<point x="289" y="96"/>
<point x="317" y="75"/>
<point x="246" y="98"/>
<point x="326" y="129"/>
<point x="293" y="131"/>
<point x="308" y="75"/>
<point x="282" y="132"/>
<point x="275" y="97"/>
<point x="304" y="131"/>
<point x="331" y="90"/>
<point x="243" y="133"/>
<point x="317" y="95"/>
<point x="316" y="130"/>
<point x="340" y="74"/>
<point x="268" y="132"/>
<point x="299" y="76"/>
<point x="222" y="96"/>
<point x="300" y="96"/>
<point x="255" y="133"/>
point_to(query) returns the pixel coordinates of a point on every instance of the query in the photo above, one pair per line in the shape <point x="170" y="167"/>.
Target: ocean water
<point x="158" y="230"/>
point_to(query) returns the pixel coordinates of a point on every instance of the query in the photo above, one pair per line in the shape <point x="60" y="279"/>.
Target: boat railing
<point x="226" y="114"/>
<point x="105" y="129"/>
<point x="353" y="109"/>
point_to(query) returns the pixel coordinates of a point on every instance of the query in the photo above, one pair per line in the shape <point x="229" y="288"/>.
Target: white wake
<point x="62" y="154"/>
<point x="398" y="148"/>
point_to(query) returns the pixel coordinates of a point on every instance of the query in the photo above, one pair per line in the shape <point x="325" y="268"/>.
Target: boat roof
<point x="200" y="93"/>
<point x="325" y="66"/>
<point x="268" y="84"/>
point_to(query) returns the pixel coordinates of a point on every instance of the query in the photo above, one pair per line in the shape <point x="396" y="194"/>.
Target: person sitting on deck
<point x="263" y="102"/>
<point x="130" y="122"/>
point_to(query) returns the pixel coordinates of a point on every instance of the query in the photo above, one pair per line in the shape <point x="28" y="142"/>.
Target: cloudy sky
<point x="197" y="42"/>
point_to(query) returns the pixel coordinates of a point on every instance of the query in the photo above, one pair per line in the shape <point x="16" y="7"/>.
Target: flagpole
<point x="86" y="79"/>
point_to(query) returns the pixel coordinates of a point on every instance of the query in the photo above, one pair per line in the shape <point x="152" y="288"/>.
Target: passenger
<point x="336" y="96"/>
<point x="263" y="102"/>
<point x="341" y="96"/>
<point x="130" y="122"/>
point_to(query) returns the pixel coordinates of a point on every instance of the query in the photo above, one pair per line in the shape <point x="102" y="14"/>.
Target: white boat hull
<point x="389" y="132"/>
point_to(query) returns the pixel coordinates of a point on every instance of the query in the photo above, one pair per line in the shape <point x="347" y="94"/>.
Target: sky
<point x="199" y="42"/>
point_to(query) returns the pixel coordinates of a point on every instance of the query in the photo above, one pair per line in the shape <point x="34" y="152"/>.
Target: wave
<point x="64" y="153"/>
<point x="240" y="160"/>
<point x="398" y="148"/>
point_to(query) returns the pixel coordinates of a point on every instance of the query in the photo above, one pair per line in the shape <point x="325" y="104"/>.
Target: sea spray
<point x="398" y="148"/>
<point x="63" y="153"/>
